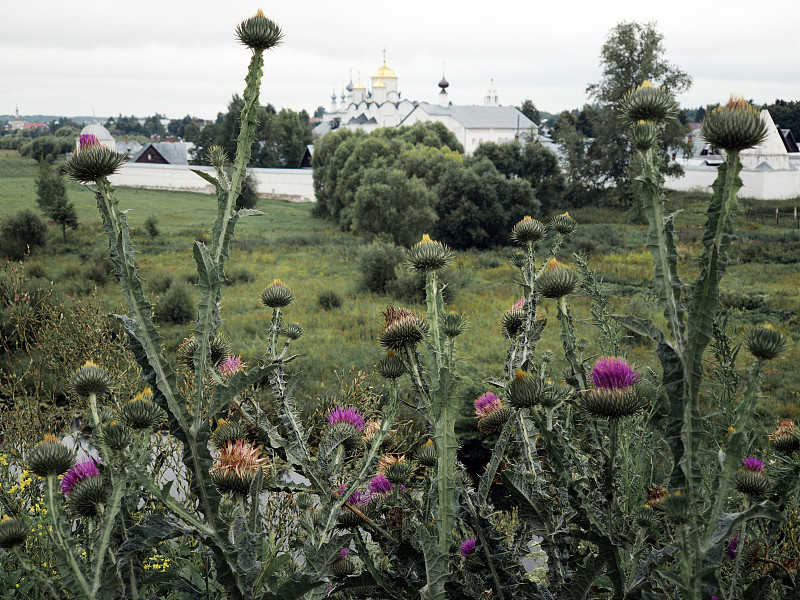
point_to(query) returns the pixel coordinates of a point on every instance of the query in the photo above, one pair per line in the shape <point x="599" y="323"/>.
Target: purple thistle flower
<point x="612" y="372"/>
<point x="80" y="471"/>
<point x="519" y="303"/>
<point x="346" y="414"/>
<point x="343" y="553"/>
<point x="753" y="464"/>
<point x="468" y="547"/>
<point x="734" y="543"/>
<point x="487" y="404"/>
<point x="232" y="365"/>
<point x="379" y="485"/>
<point x="360" y="497"/>
<point x="87" y="140"/>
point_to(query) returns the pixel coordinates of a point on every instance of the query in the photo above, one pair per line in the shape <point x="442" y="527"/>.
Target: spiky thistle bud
<point x="784" y="438"/>
<point x="90" y="379"/>
<point x="523" y="390"/>
<point x="258" y="32"/>
<point x="304" y="501"/>
<point x="428" y="255"/>
<point x="677" y="507"/>
<point x="117" y="435"/>
<point x="528" y="230"/>
<point x="563" y="224"/>
<point x="751" y="479"/>
<point x="643" y="136"/>
<point x="647" y="103"/>
<point x="402" y="327"/>
<point x="277" y="295"/>
<point x="391" y="367"/>
<point x="646" y="517"/>
<point x="221" y="350"/>
<point x="513" y="320"/>
<point x="343" y="566"/>
<point x="491" y="412"/>
<point x="50" y="457"/>
<point x="227" y="432"/>
<point x="141" y="412"/>
<point x="92" y="162"/>
<point x="12" y="532"/>
<point x="293" y="331"/>
<point x="765" y="343"/>
<point x="454" y="324"/>
<point x="556" y="281"/>
<point x="360" y="500"/>
<point x="398" y="469"/>
<point x="734" y="127"/>
<point x="426" y="454"/>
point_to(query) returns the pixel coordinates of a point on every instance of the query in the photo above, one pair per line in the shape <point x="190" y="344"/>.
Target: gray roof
<point x="175" y="153"/>
<point x="479" y="117"/>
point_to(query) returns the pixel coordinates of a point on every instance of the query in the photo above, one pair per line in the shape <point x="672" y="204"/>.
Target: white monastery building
<point x="382" y="105"/>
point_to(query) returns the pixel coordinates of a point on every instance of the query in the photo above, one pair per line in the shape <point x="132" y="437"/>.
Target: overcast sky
<point x="176" y="58"/>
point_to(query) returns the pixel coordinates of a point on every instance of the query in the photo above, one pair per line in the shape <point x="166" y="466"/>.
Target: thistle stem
<point x="613" y="425"/>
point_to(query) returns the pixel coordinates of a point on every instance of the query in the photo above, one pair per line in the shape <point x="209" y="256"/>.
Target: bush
<point x="21" y="233"/>
<point x="378" y="263"/>
<point x="248" y="197"/>
<point x="176" y="306"/>
<point x="329" y="300"/>
<point x="151" y="226"/>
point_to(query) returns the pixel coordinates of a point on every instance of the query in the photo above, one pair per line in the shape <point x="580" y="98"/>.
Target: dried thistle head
<point x="403" y="326"/>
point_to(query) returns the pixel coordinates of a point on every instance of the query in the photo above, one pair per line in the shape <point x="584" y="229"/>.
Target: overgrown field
<point x="313" y="258"/>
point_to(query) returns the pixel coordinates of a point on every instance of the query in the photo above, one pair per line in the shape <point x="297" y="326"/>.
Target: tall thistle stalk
<point x="731" y="128"/>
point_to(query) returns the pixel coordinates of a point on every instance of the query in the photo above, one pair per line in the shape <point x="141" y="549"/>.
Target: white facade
<point x="289" y="184"/>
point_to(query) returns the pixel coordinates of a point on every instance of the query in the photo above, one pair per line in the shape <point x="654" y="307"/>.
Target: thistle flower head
<point x="647" y="103"/>
<point x="556" y="281"/>
<point x="277" y="295"/>
<point x="258" y="32"/>
<point x="428" y="255"/>
<point x="656" y="494"/>
<point x="468" y="547"/>
<point x="563" y="224"/>
<point x="231" y="365"/>
<point x="80" y="471"/>
<point x="371" y="427"/>
<point x="92" y="161"/>
<point x="90" y="379"/>
<point x="343" y="553"/>
<point x="528" y="230"/>
<point x="12" y="532"/>
<point x="380" y="485"/>
<point x="86" y="140"/>
<point x="765" y="343"/>
<point x="734" y="127"/>
<point x="402" y="326"/>
<point x="346" y="414"/>
<point x="753" y="464"/>
<point x="613" y="372"/>
<point x="359" y="498"/>
<point x="236" y="466"/>
<point x="519" y="304"/>
<point x="50" y="457"/>
<point x="487" y="403"/>
<point x="784" y="438"/>
<point x="733" y="545"/>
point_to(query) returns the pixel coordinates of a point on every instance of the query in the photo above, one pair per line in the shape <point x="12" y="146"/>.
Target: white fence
<point x="295" y="185"/>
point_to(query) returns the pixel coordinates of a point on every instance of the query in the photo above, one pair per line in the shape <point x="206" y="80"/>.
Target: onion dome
<point x="444" y="84"/>
<point x="359" y="86"/>
<point x="379" y="84"/>
<point x="384" y="73"/>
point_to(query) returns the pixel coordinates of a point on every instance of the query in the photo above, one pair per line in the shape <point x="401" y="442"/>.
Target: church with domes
<point x="382" y="105"/>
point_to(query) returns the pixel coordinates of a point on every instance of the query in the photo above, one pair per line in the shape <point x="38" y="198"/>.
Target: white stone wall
<point x="761" y="185"/>
<point x="290" y="184"/>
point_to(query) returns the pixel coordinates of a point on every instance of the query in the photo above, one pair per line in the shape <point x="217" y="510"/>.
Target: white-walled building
<point x="383" y="106"/>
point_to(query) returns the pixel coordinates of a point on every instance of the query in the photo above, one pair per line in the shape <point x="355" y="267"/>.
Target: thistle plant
<point x="626" y="501"/>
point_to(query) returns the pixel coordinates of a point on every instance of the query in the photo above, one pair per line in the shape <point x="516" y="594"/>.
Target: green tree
<point x="582" y="170"/>
<point x="633" y="53"/>
<point x="529" y="109"/>
<point x="393" y="206"/>
<point x="786" y="114"/>
<point x="51" y="196"/>
<point x="153" y="127"/>
<point x="532" y="162"/>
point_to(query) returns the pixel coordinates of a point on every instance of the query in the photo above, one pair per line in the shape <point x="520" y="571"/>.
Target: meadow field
<point x="313" y="257"/>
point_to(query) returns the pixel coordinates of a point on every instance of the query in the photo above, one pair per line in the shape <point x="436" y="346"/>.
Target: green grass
<point x="312" y="256"/>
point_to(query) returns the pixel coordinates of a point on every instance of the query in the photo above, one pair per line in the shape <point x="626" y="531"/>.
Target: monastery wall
<point x="758" y="184"/>
<point x="295" y="185"/>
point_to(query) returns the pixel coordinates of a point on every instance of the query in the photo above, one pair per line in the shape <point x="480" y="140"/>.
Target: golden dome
<point x="378" y="84"/>
<point x="359" y="86"/>
<point x="384" y="73"/>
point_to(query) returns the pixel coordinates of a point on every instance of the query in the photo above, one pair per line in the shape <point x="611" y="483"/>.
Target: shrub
<point x="378" y="263"/>
<point x="329" y="300"/>
<point x="176" y="306"/>
<point x="248" y="197"/>
<point x="151" y="226"/>
<point x="21" y="233"/>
